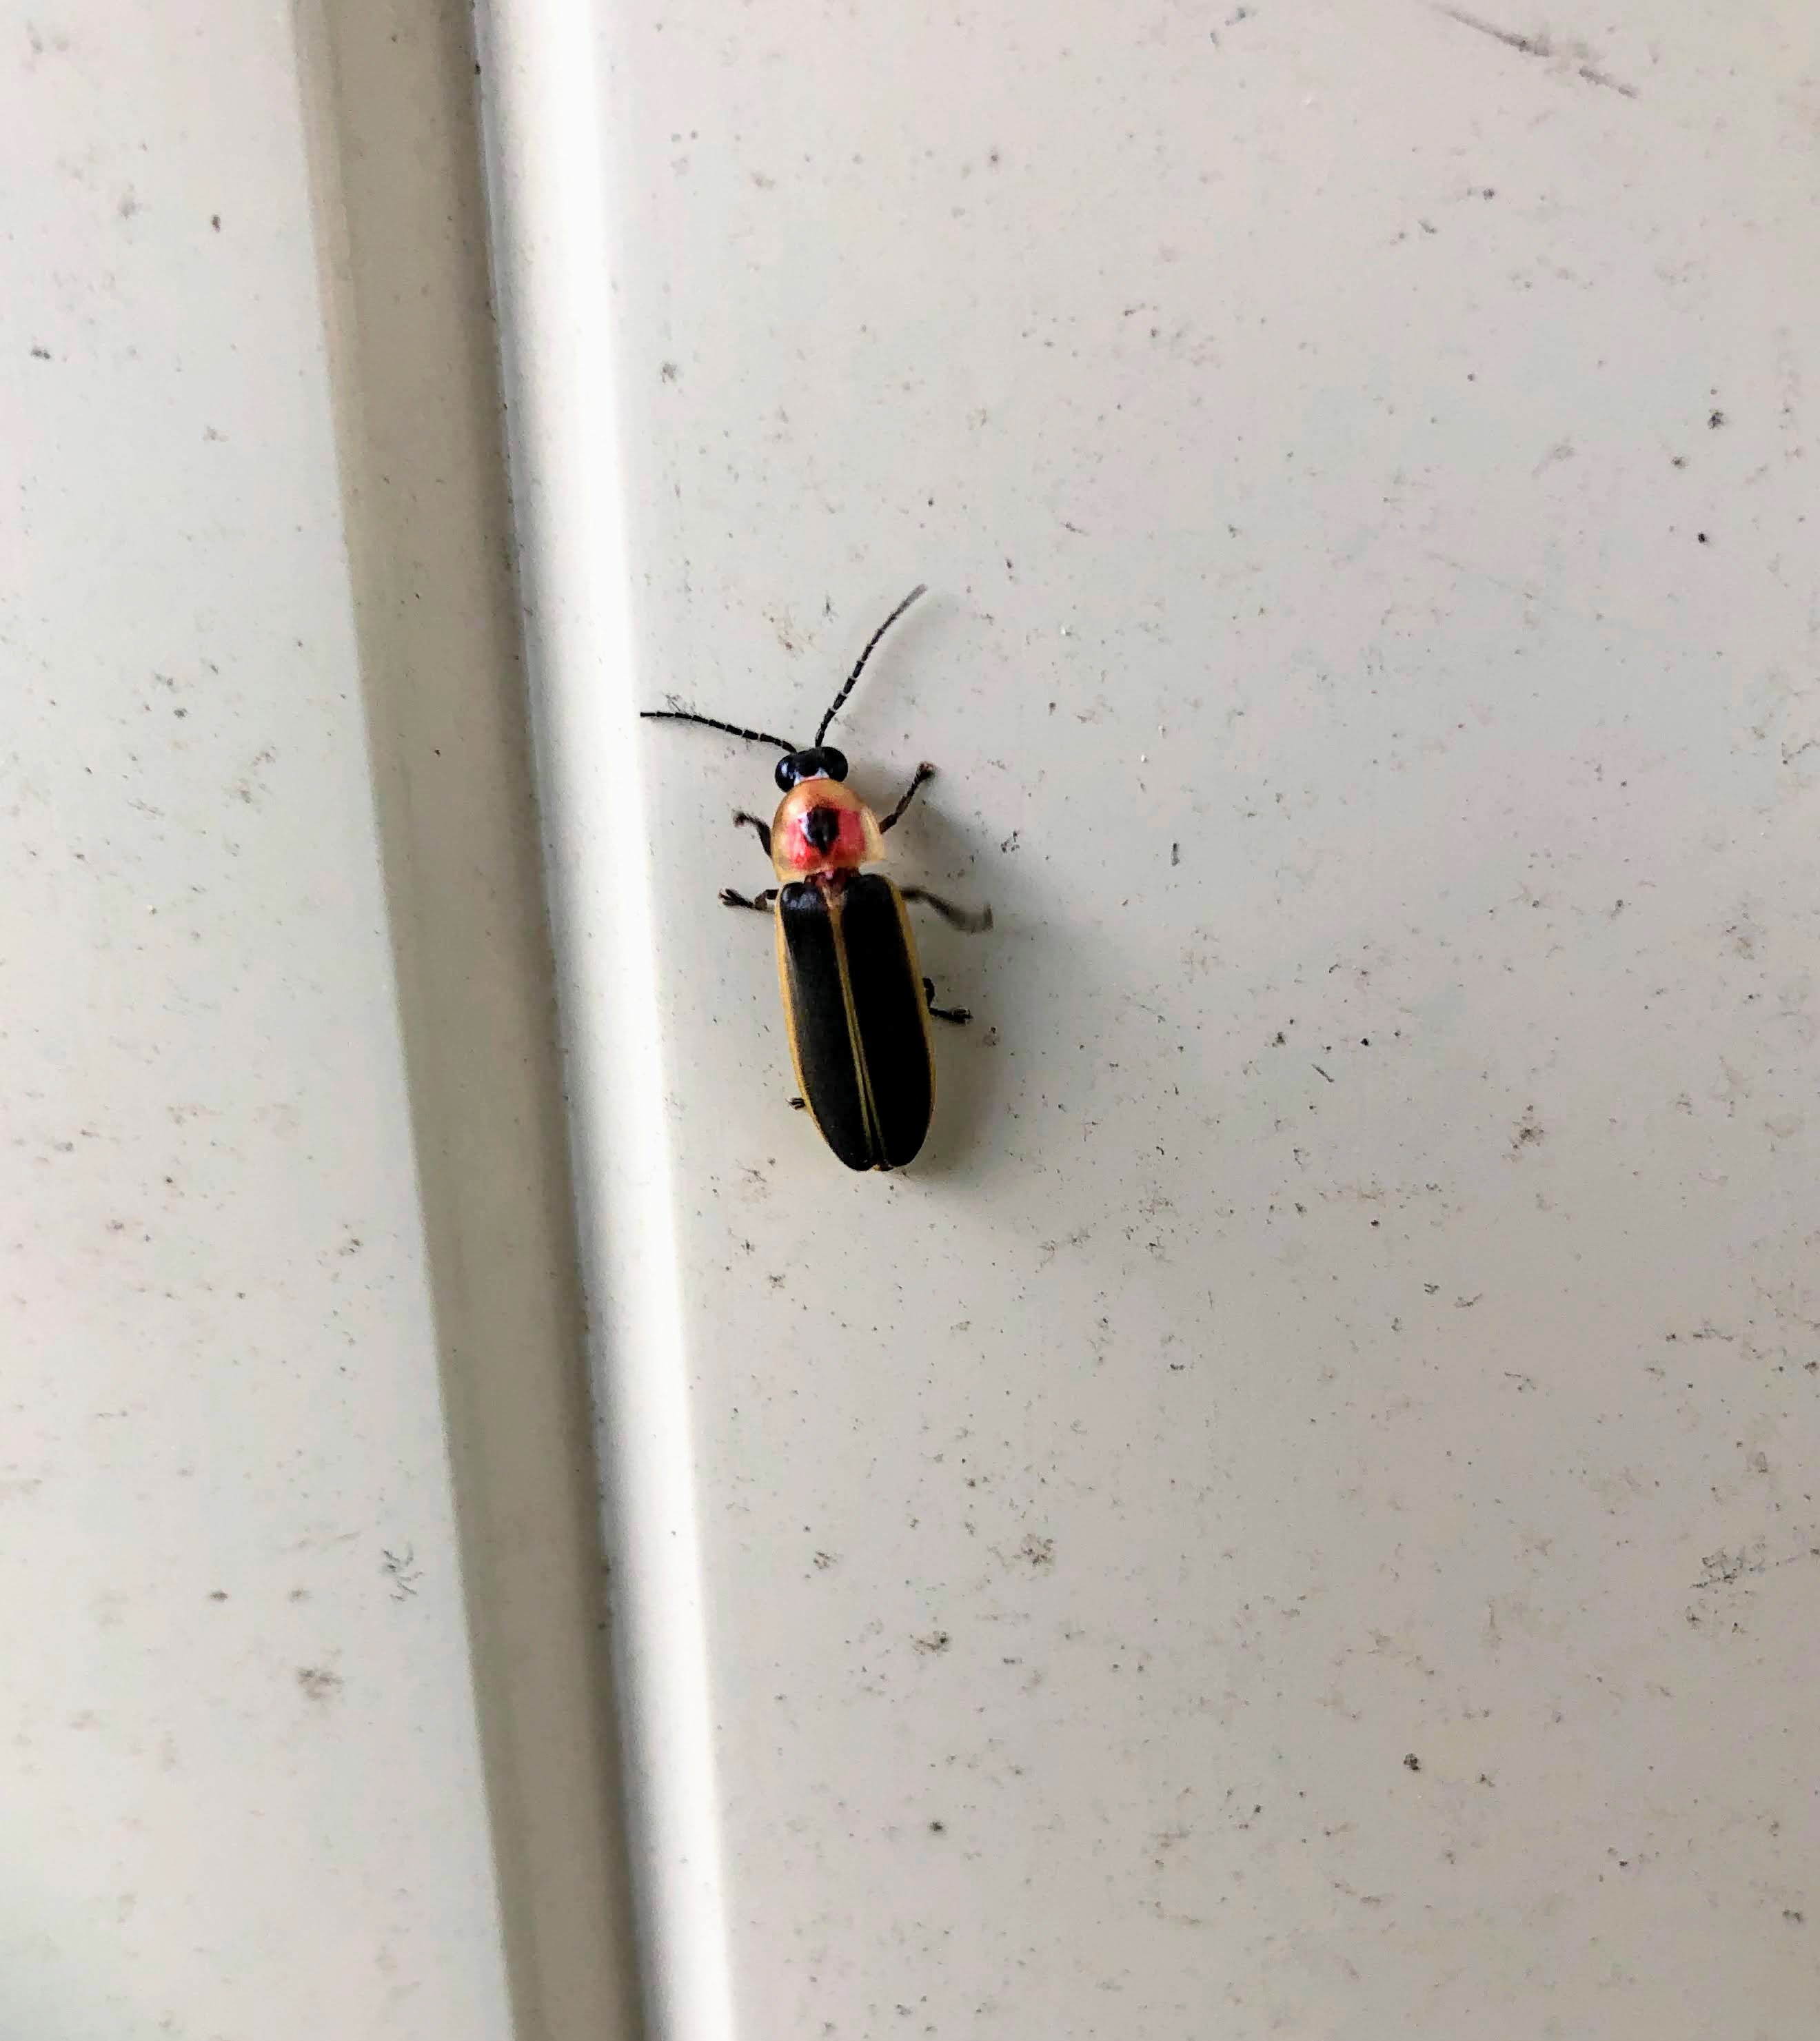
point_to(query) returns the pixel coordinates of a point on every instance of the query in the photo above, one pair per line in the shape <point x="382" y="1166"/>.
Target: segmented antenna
<point x="714" y="722"/>
<point x="921" y="588"/>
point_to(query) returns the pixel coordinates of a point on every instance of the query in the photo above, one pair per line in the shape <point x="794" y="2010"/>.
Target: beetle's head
<point x="820" y="761"/>
<point x="822" y="825"/>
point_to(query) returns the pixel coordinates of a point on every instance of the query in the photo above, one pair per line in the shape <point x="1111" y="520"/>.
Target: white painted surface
<point x="1297" y="1517"/>
<point x="241" y="1792"/>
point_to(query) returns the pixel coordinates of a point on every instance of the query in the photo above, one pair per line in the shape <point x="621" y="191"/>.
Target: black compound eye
<point x="787" y="774"/>
<point x="834" y="762"/>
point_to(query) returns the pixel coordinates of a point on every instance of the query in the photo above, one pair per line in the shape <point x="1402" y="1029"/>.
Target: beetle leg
<point x="956" y="917"/>
<point x="742" y="819"/>
<point x="926" y="771"/>
<point x="960" y="1014"/>
<point x="759" y="903"/>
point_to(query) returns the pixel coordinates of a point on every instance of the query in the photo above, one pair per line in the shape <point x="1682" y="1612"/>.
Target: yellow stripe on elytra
<point x="916" y="979"/>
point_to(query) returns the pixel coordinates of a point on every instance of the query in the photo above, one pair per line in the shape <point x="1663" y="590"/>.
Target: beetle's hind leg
<point x="959" y="1015"/>
<point x="956" y="917"/>
<point x="925" y="771"/>
<point x="742" y="820"/>
<point x="759" y="903"/>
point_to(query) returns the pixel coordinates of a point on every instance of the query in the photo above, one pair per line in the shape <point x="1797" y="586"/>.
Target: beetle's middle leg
<point x="961" y="1014"/>
<point x="956" y="917"/>
<point x="742" y="820"/>
<point x="759" y="903"/>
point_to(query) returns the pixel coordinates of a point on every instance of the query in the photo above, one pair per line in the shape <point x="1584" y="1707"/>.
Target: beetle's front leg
<point x="742" y="820"/>
<point x="759" y="903"/>
<point x="925" y="771"/>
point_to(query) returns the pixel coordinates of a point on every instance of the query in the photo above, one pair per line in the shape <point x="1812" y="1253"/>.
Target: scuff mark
<point x="1723" y="1569"/>
<point x="1562" y="450"/>
<point x="403" y="1570"/>
<point x="1543" y="46"/>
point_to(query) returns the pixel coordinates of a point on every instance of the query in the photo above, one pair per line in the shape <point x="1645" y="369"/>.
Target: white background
<point x="1296" y="1516"/>
<point x="1358" y="1304"/>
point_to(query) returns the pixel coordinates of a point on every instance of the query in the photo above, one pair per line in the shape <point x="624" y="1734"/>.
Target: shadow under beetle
<point x="856" y="1004"/>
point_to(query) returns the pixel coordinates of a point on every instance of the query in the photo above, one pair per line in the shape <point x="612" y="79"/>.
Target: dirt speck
<point x="1721" y="1569"/>
<point x="790" y="634"/>
<point x="932" y="1645"/>
<point x="1048" y="1249"/>
<point x="319" y="1684"/>
<point x="1038" y="1553"/>
<point x="1411" y="1762"/>
<point x="245" y="787"/>
<point x="1715" y="420"/>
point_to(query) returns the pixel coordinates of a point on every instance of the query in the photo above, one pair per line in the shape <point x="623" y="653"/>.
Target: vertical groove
<point x="395" y="160"/>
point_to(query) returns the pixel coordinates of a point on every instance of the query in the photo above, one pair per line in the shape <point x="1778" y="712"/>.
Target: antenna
<point x="921" y="588"/>
<point x="714" y="722"/>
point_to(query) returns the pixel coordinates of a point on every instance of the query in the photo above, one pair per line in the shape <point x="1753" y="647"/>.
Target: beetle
<point x="856" y="1005"/>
